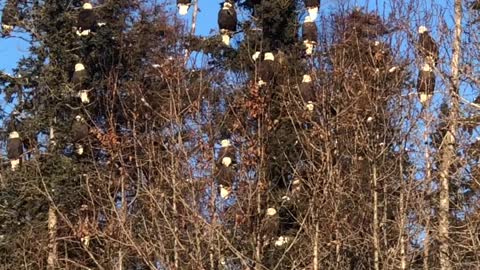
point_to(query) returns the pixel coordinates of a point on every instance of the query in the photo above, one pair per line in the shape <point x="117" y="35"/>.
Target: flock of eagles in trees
<point x="88" y="23"/>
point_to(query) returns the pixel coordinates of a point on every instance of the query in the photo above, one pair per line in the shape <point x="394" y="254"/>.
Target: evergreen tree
<point x="147" y="147"/>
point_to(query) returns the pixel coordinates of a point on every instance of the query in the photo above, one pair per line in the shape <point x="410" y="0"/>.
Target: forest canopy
<point x="298" y="134"/>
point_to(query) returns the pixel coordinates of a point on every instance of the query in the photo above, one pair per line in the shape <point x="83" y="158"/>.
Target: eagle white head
<point x="79" y="67"/>
<point x="426" y="67"/>
<point x="79" y="149"/>
<point x="306" y="78"/>
<point x="227" y="5"/>
<point x="224" y="191"/>
<point x="225" y="143"/>
<point x="226" y="161"/>
<point x="87" y="6"/>
<point x="13" y="135"/>
<point x="255" y="56"/>
<point x="313" y="12"/>
<point x="261" y="83"/>
<point x="310" y="106"/>
<point x="269" y="56"/>
<point x="183" y="9"/>
<point x="296" y="185"/>
<point x="296" y="182"/>
<point x="422" y="29"/>
<point x="271" y="212"/>
<point x="281" y="240"/>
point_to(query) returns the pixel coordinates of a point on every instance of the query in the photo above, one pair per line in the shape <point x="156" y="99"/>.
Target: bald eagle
<point x="79" y="75"/>
<point x="266" y="69"/>
<point x="312" y="8"/>
<point x="307" y="91"/>
<point x="87" y="21"/>
<point x="80" y="132"/>
<point x="288" y="225"/>
<point x="9" y="16"/>
<point x="227" y="21"/>
<point x="14" y="149"/>
<point x="270" y="224"/>
<point x="226" y="166"/>
<point x="309" y="34"/>
<point x="426" y="83"/>
<point x="183" y="6"/>
<point x="427" y="46"/>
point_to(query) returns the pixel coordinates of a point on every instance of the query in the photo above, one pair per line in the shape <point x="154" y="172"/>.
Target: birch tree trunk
<point x="427" y="192"/>
<point x="52" y="239"/>
<point x="123" y="218"/>
<point x="315" y="244"/>
<point x="448" y="153"/>
<point x="403" y="214"/>
<point x="376" y="241"/>
<point x="52" y="216"/>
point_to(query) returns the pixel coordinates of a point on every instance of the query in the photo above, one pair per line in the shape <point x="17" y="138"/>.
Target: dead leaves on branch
<point x="255" y="105"/>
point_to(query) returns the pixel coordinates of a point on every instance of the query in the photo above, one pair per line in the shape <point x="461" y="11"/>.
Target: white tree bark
<point x="403" y="215"/>
<point x="52" y="239"/>
<point x="376" y="240"/>
<point x="448" y="145"/>
<point x="315" y="245"/>
<point x="428" y="181"/>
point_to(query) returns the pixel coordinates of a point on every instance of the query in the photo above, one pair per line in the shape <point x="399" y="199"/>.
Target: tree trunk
<point x="376" y="241"/>
<point x="427" y="191"/>
<point x="403" y="214"/>
<point x="52" y="239"/>
<point x="448" y="146"/>
<point x="315" y="244"/>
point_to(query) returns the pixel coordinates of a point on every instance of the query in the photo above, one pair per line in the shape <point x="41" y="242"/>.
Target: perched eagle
<point x="427" y="46"/>
<point x="14" y="149"/>
<point x="266" y="69"/>
<point x="87" y="21"/>
<point x="312" y="8"/>
<point x="270" y="224"/>
<point x="288" y="225"/>
<point x="309" y="34"/>
<point x="307" y="91"/>
<point x="227" y="21"/>
<point x="226" y="168"/>
<point x="426" y="83"/>
<point x="79" y="76"/>
<point x="80" y="132"/>
<point x="9" y="16"/>
<point x="183" y="6"/>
